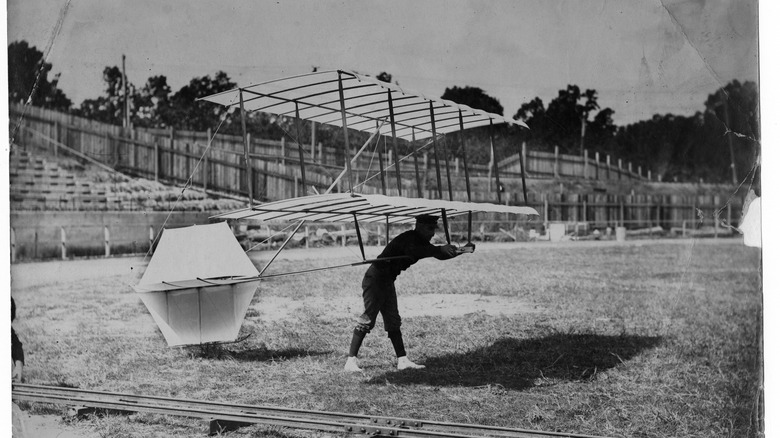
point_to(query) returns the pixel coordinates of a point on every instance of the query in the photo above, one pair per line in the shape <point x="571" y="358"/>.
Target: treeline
<point x="720" y="143"/>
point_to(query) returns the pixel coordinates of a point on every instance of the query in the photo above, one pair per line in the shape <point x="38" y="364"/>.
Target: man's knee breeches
<point x="378" y="297"/>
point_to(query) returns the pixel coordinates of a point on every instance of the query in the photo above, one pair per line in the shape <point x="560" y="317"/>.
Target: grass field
<point x="640" y="339"/>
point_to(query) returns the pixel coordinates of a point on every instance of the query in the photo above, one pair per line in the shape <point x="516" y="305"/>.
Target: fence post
<point x="585" y="209"/>
<point x="56" y="137"/>
<point x="555" y="164"/>
<point x="620" y="168"/>
<point x="283" y="151"/>
<point x="597" y="164"/>
<point x="585" y="163"/>
<point x="151" y="238"/>
<point x="343" y="235"/>
<point x="107" y="240"/>
<point x="187" y="161"/>
<point x="63" y="243"/>
<point x="307" y="227"/>
<point x="206" y="171"/>
<point x="13" y="245"/>
<point x="156" y="160"/>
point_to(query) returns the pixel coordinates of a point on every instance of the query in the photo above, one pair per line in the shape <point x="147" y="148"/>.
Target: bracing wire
<point x="271" y="237"/>
<point x="391" y="165"/>
<point x="187" y="184"/>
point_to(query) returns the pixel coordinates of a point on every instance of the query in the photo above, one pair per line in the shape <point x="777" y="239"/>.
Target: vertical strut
<point x="465" y="156"/>
<point x="360" y="239"/>
<point x="445" y="224"/>
<point x="435" y="152"/>
<point x="465" y="167"/>
<point x="346" y="133"/>
<point x="300" y="149"/>
<point x="495" y="162"/>
<point x="382" y="165"/>
<point x="416" y="167"/>
<point x="395" y="142"/>
<point x="447" y="166"/>
<point x="522" y="175"/>
<point x="246" y="149"/>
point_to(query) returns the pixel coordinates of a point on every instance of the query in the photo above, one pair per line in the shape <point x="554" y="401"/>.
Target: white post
<point x="63" y="243"/>
<point x="107" y="241"/>
<point x="307" y="227"/>
<point x="343" y="235"/>
<point x="597" y="164"/>
<point x="151" y="237"/>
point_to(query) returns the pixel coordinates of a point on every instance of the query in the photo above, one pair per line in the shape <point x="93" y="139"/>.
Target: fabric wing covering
<point x="344" y="207"/>
<point x="198" y="285"/>
<point x="367" y="103"/>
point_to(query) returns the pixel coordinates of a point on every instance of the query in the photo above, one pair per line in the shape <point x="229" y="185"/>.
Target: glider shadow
<point x="260" y="354"/>
<point x="519" y="364"/>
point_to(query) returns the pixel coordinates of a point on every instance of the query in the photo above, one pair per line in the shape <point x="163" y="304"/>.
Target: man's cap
<point x="427" y="219"/>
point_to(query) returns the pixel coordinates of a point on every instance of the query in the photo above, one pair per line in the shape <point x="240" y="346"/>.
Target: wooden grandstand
<point x="40" y="181"/>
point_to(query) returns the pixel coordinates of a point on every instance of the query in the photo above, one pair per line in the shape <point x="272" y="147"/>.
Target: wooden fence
<point x="215" y="162"/>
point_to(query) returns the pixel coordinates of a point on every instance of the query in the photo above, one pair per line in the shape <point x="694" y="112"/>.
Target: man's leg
<point x="392" y="320"/>
<point x="373" y="299"/>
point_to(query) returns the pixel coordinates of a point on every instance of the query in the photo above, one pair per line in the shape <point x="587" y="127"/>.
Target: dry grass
<point x="653" y="339"/>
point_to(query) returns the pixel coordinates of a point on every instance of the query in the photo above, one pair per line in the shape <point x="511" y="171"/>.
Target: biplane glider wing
<point x="349" y="207"/>
<point x="198" y="285"/>
<point x="340" y="97"/>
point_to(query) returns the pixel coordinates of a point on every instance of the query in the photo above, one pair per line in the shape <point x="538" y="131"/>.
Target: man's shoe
<point x="351" y="365"/>
<point x="404" y="363"/>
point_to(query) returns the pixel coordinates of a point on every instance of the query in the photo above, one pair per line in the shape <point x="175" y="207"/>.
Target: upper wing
<point x="367" y="101"/>
<point x="346" y="207"/>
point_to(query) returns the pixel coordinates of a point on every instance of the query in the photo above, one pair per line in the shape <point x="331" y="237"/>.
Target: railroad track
<point x="224" y="415"/>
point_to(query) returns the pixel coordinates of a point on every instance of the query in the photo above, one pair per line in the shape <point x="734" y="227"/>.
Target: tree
<point x="186" y="112"/>
<point x="565" y="122"/>
<point x="110" y="107"/>
<point x="28" y="79"/>
<point x="732" y="112"/>
<point x="473" y="97"/>
<point x="152" y="103"/>
<point x="702" y="146"/>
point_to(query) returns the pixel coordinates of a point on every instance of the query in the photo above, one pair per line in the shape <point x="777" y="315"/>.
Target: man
<point x="379" y="286"/>
<point x="17" y="352"/>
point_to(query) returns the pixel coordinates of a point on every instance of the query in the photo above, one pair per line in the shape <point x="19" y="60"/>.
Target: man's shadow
<point x="519" y="364"/>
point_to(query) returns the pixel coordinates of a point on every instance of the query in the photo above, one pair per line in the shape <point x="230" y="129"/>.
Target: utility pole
<point x="126" y="121"/>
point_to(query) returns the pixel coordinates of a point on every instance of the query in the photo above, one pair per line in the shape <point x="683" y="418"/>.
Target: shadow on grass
<point x="262" y="354"/>
<point x="518" y="364"/>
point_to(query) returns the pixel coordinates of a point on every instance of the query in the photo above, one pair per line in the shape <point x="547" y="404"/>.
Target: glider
<point x="196" y="297"/>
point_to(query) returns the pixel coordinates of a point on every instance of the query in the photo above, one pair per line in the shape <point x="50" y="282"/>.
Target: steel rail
<point x="272" y="415"/>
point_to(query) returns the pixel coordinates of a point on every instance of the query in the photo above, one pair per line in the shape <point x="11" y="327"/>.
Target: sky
<point x="643" y="57"/>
